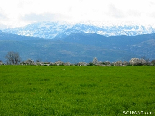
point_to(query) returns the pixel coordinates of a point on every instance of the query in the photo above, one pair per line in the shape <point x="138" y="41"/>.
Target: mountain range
<point x="51" y="30"/>
<point x="78" y="43"/>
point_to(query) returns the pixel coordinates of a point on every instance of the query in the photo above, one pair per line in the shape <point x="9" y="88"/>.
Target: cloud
<point x="22" y="12"/>
<point x="115" y="12"/>
<point x="3" y="18"/>
<point x="42" y="17"/>
<point x="2" y="26"/>
<point x="153" y="15"/>
<point x="2" y="15"/>
<point x="134" y="13"/>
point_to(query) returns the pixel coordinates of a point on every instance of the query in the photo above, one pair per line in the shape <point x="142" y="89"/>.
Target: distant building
<point x="59" y="63"/>
<point x="82" y="64"/>
<point x="1" y="63"/>
<point x="137" y="61"/>
<point x="67" y="64"/>
<point x="28" y="62"/>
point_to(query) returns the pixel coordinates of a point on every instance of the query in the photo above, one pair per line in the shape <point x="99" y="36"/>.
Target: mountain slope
<point x="48" y="50"/>
<point x="139" y="46"/>
<point x="107" y="42"/>
<point x="10" y="36"/>
<point x="78" y="47"/>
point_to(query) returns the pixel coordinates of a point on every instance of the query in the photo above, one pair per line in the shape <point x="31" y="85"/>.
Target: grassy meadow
<point x="76" y="91"/>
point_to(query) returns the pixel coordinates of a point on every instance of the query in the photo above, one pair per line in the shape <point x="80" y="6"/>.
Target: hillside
<point x="14" y="37"/>
<point x="78" y="47"/>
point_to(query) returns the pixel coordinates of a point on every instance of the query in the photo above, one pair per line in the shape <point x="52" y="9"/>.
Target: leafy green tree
<point x="90" y="64"/>
<point x="153" y="62"/>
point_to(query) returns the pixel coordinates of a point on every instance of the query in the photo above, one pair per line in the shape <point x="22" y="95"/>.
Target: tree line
<point x="13" y="58"/>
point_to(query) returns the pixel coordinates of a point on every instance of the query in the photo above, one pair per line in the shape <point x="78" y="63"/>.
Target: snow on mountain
<point x="50" y="30"/>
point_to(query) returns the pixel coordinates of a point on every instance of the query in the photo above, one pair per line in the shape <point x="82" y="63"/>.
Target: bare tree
<point x="12" y="58"/>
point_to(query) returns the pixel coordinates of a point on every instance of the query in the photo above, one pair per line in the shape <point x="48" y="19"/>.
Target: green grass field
<point x="76" y="91"/>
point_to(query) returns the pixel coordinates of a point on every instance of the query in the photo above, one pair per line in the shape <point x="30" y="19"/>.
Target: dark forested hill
<point x="78" y="47"/>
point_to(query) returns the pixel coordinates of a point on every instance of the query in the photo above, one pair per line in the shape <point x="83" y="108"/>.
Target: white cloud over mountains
<point x="20" y="12"/>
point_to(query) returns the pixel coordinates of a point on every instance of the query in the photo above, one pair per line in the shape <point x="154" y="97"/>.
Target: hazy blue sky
<point x="15" y="13"/>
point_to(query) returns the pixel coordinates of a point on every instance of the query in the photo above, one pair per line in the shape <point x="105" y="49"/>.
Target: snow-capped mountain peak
<point x="50" y="30"/>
